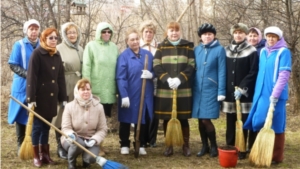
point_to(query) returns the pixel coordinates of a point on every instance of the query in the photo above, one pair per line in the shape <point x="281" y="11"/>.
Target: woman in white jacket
<point x="84" y="121"/>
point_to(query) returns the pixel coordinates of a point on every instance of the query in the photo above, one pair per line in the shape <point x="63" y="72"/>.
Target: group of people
<point x="75" y="88"/>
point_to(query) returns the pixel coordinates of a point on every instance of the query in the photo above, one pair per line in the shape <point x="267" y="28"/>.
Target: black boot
<point x="204" y="139"/>
<point x="186" y="138"/>
<point x="169" y="150"/>
<point x="85" y="164"/>
<point x="61" y="152"/>
<point x="213" y="143"/>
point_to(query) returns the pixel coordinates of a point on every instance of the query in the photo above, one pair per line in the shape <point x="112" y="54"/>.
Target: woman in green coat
<point x="99" y="66"/>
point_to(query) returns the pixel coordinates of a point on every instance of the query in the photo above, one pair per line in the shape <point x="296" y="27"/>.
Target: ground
<point x="154" y="158"/>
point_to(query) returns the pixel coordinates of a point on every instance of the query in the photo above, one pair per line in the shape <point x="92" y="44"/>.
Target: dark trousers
<point x="20" y="131"/>
<point x="124" y="133"/>
<point x="151" y="128"/>
<point x="230" y="127"/>
<point x="40" y="131"/>
<point x="107" y="109"/>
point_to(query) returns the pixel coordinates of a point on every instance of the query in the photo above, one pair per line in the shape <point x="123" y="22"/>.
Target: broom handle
<point x="174" y="106"/>
<point x="186" y="8"/>
<point x="137" y="138"/>
<point x="238" y="107"/>
<point x="268" y="122"/>
<point x="51" y="125"/>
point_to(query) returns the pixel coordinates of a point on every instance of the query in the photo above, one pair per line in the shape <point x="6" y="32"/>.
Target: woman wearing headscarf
<point x="18" y="62"/>
<point x="147" y="42"/>
<point x="71" y="54"/>
<point x="255" y="39"/>
<point x="84" y="121"/>
<point x="46" y="86"/>
<point x="272" y="87"/>
<point x="130" y="74"/>
<point x="209" y="86"/>
<point x="99" y="66"/>
<point x="174" y="65"/>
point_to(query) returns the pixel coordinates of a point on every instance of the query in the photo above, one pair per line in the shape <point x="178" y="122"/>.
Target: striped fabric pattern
<point x="170" y="62"/>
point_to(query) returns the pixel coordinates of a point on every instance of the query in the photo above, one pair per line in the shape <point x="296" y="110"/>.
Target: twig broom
<point x="239" y="134"/>
<point x="104" y="163"/>
<point x="26" y="149"/>
<point x="174" y="133"/>
<point x="262" y="150"/>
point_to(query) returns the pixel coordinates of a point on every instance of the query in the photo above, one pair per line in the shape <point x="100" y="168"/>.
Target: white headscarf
<point x="80" y="100"/>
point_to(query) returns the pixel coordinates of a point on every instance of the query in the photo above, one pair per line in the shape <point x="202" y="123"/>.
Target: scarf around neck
<point x="81" y="101"/>
<point x="281" y="43"/>
<point x="51" y="50"/>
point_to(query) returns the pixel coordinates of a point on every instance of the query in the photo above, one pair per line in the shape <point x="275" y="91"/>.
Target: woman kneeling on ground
<point x="83" y="121"/>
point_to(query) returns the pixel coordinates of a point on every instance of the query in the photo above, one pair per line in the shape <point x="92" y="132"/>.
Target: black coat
<point x="242" y="68"/>
<point x="45" y="82"/>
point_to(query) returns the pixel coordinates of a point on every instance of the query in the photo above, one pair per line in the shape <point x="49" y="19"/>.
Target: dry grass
<point x="154" y="158"/>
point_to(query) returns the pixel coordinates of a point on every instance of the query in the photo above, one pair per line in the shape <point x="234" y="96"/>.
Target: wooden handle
<point x="137" y="137"/>
<point x="51" y="125"/>
<point x="238" y="107"/>
<point x="174" y="104"/>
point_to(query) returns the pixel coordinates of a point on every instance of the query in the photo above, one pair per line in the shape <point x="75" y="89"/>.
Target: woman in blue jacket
<point x="129" y="76"/>
<point x="272" y="87"/>
<point x="18" y="62"/>
<point x="209" y="86"/>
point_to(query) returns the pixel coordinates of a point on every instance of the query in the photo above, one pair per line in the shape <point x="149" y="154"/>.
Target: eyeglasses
<point x="103" y="32"/>
<point x="53" y="37"/>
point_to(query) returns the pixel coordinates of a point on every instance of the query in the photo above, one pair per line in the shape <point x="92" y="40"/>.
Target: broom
<point x="239" y="135"/>
<point x="137" y="137"/>
<point x="26" y="150"/>
<point x="262" y="150"/>
<point x="104" y="163"/>
<point x="174" y="133"/>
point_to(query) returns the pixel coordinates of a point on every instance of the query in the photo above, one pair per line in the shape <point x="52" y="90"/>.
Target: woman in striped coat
<point x="174" y="65"/>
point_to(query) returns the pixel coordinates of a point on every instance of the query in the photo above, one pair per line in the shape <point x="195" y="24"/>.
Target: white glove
<point x="63" y="103"/>
<point x="237" y="94"/>
<point x="101" y="161"/>
<point x="30" y="105"/>
<point x="221" y="98"/>
<point x="170" y="81"/>
<point x="273" y="100"/>
<point x="71" y="137"/>
<point x="146" y="74"/>
<point x="175" y="83"/>
<point x="90" y="143"/>
<point x="125" y="102"/>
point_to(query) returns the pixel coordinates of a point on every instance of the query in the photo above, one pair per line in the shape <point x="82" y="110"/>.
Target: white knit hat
<point x="275" y="30"/>
<point x="28" y="23"/>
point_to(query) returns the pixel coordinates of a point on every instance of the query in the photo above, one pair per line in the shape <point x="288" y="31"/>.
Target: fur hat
<point x="206" y="27"/>
<point x="240" y="27"/>
<point x="28" y="23"/>
<point x="275" y="30"/>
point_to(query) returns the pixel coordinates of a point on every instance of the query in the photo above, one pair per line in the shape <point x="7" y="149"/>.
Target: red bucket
<point x="228" y="156"/>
